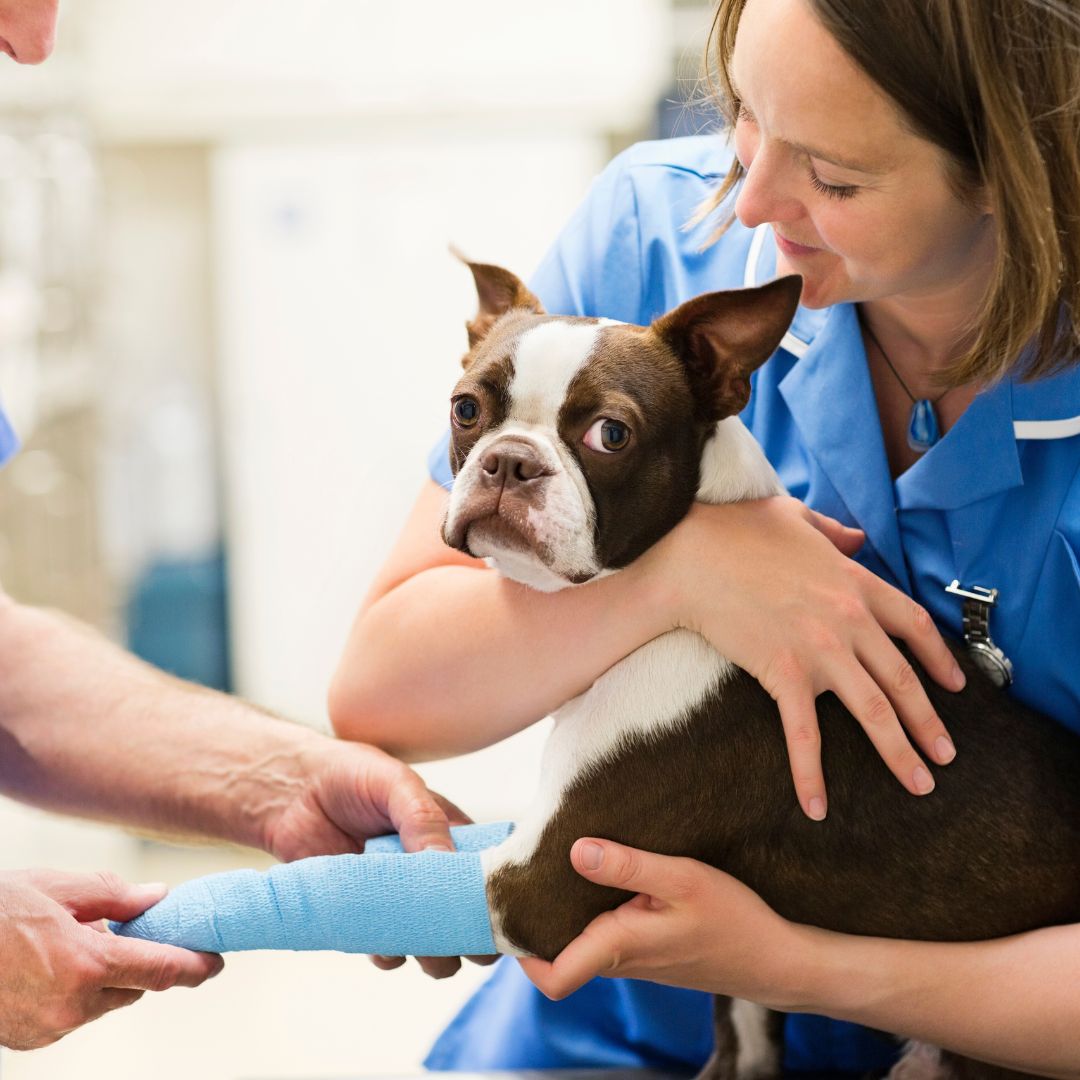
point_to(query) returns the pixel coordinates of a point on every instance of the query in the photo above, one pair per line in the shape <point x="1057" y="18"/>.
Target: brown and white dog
<point x="577" y="443"/>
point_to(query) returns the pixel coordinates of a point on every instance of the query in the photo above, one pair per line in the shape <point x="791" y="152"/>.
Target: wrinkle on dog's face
<point x="540" y="501"/>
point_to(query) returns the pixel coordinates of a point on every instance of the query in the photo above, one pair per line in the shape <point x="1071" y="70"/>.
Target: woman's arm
<point x="446" y="656"/>
<point x="1014" y="1002"/>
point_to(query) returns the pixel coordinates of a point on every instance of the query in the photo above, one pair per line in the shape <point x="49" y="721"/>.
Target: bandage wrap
<point x="430" y="903"/>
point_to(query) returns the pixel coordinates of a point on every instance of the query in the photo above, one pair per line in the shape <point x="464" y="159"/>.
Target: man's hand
<point x="690" y="925"/>
<point x="353" y="792"/>
<point x="345" y="793"/>
<point x="61" y="968"/>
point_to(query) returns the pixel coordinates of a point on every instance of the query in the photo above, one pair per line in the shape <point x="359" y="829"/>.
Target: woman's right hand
<point x="770" y="585"/>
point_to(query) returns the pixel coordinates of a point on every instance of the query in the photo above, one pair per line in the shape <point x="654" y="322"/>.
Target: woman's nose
<point x="29" y="29"/>
<point x="763" y="194"/>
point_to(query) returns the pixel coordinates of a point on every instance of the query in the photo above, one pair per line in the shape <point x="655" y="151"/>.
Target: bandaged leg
<point x="431" y="903"/>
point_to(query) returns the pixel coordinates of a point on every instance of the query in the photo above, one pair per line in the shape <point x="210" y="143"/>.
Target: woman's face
<point x="860" y="206"/>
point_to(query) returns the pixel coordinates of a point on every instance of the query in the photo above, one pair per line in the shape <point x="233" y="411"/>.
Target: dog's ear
<point x="498" y="291"/>
<point x="723" y="337"/>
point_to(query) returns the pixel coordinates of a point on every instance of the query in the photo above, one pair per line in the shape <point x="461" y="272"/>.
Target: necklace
<point x="923" y="429"/>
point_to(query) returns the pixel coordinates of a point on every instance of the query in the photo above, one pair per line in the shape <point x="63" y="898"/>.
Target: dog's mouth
<point x="495" y="521"/>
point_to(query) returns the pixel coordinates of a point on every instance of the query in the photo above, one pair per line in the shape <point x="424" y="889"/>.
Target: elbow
<point x="363" y="707"/>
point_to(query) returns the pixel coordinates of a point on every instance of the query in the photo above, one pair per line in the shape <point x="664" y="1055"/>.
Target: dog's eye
<point x="466" y="412"/>
<point x="607" y="436"/>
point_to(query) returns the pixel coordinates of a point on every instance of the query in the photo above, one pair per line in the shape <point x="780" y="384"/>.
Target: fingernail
<point x="923" y="781"/>
<point x="958" y="677"/>
<point x="817" y="808"/>
<point x="590" y="856"/>
<point x="944" y="750"/>
<point x="437" y="847"/>
<point x="154" y="888"/>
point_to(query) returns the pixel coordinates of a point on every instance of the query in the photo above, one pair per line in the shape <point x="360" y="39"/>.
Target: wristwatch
<point x="978" y="603"/>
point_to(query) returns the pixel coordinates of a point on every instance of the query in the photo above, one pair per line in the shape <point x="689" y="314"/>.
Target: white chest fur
<point x="656" y="686"/>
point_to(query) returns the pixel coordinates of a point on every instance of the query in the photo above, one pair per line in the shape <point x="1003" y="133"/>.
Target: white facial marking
<point x="546" y="359"/>
<point x="545" y="362"/>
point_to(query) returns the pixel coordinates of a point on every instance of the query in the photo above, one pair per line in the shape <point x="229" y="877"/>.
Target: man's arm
<point x="88" y="729"/>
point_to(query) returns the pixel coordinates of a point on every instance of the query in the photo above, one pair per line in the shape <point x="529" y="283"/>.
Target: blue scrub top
<point x="9" y="441"/>
<point x="995" y="503"/>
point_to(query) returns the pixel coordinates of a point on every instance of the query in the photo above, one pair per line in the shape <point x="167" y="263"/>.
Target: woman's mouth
<point x="791" y="249"/>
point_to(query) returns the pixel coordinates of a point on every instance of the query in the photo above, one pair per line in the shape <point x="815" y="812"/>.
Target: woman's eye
<point x="466" y="412"/>
<point x="607" y="436"/>
<point x="743" y="113"/>
<point x="833" y="191"/>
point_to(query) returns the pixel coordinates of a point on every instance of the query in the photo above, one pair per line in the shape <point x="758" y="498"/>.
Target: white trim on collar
<point x="757" y="242"/>
<point x="794" y="345"/>
<point x="1047" y="429"/>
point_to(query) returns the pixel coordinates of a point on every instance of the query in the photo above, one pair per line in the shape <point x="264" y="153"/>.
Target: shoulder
<point x="630" y="252"/>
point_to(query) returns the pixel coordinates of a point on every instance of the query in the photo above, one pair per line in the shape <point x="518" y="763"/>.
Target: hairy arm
<point x="88" y="729"/>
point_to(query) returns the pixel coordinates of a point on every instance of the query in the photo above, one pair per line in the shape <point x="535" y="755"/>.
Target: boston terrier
<point x="576" y="444"/>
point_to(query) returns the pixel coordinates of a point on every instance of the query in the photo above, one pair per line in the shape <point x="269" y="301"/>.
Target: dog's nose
<point x="512" y="464"/>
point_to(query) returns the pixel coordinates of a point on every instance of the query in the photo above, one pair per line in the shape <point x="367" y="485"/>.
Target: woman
<point x="917" y="162"/>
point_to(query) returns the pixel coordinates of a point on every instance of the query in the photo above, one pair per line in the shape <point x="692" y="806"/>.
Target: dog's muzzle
<point x="499" y="490"/>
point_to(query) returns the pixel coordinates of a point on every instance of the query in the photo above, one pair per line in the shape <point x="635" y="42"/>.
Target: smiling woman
<point x="958" y="155"/>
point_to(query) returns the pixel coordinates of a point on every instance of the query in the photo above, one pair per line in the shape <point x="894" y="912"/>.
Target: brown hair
<point x="996" y="85"/>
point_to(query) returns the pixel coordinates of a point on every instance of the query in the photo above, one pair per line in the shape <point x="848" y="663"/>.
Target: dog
<point x="576" y="444"/>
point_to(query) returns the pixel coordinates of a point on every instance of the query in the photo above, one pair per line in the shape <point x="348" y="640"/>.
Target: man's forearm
<point x="88" y="729"/>
<point x="1013" y="1002"/>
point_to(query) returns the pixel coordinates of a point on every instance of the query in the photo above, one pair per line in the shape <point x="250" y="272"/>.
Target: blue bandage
<point x="430" y="903"/>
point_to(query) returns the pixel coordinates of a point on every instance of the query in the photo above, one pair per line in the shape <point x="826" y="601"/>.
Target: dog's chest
<point x="645" y="695"/>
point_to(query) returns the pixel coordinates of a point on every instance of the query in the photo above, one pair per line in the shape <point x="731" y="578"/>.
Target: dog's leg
<point x="759" y="1041"/>
<point x="924" y="1062"/>
<point x="721" y="1065"/>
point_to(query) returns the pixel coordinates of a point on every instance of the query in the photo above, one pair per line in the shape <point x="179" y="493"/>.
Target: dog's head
<point x="577" y="443"/>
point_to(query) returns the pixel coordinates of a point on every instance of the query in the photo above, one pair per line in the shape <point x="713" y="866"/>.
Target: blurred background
<point x="216" y="217"/>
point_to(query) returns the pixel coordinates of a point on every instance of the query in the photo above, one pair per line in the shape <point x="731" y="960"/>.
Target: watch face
<point x="992" y="662"/>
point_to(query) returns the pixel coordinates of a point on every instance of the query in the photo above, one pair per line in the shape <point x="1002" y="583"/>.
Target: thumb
<point x="843" y="538"/>
<point x="89" y="897"/>
<point x="418" y="814"/>
<point x="607" y="863"/>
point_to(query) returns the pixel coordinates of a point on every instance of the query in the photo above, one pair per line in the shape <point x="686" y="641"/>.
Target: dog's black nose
<point x="509" y="464"/>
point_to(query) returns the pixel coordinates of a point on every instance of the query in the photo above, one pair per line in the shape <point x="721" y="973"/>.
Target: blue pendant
<point x="922" y="431"/>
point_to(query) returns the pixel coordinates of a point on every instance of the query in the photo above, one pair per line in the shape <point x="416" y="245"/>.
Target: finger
<point x="868" y="703"/>
<point x="387" y="963"/>
<point x="903" y="618"/>
<point x="439" y="967"/>
<point x="145" y="965"/>
<point x="798" y="714"/>
<point x="890" y="669"/>
<point x="593" y="952"/>
<point x="454" y="813"/>
<point x="417" y="815"/>
<point x="483" y="961"/>
<point x="844" y="538"/>
<point x="662" y="877"/>
<point x="104" y="895"/>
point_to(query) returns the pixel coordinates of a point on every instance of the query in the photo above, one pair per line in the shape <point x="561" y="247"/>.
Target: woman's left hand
<point x="690" y="925"/>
